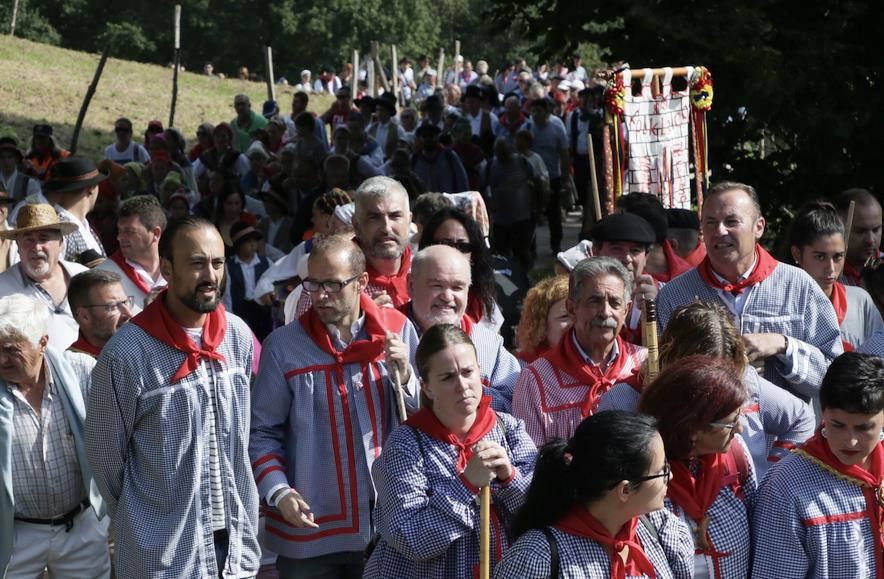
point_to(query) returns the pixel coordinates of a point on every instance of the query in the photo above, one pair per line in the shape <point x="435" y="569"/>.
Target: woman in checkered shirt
<point x="430" y="472"/>
<point x="586" y="514"/>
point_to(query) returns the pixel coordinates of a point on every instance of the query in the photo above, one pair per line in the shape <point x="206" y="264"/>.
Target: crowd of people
<point x="293" y="341"/>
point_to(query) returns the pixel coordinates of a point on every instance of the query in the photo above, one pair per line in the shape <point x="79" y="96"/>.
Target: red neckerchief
<point x="871" y="481"/>
<point x="396" y="285"/>
<point x="81" y="345"/>
<point x="117" y="258"/>
<point x="696" y="256"/>
<point x="676" y="264"/>
<point x="156" y="320"/>
<point x="466" y="324"/>
<point x="377" y="322"/>
<point x="854" y="275"/>
<point x="580" y="522"/>
<point x="475" y="308"/>
<point x="486" y="419"/>
<point x="566" y="358"/>
<point x="765" y="266"/>
<point x="694" y="495"/>
<point x="839" y="302"/>
<point x="512" y="126"/>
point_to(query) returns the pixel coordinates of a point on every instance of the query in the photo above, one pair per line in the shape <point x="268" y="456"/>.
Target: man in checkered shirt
<point x="322" y="410"/>
<point x="167" y="429"/>
<point x="788" y="324"/>
<point x="439" y="284"/>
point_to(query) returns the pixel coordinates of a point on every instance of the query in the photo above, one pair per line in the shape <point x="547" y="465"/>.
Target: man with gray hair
<point x="381" y="220"/>
<point x="439" y="284"/>
<point x="564" y="386"/>
<point x="245" y="122"/>
<point x="51" y="513"/>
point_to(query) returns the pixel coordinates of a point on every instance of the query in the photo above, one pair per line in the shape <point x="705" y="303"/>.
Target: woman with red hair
<point x="697" y="404"/>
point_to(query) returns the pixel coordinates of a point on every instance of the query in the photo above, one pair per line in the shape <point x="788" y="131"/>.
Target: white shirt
<point x="615" y="351"/>
<point x="476" y="122"/>
<point x="134" y="152"/>
<point x="248" y="275"/>
<point x="736" y="303"/>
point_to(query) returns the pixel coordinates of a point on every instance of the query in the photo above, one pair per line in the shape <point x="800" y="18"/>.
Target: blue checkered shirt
<point x="672" y="555"/>
<point x="788" y="302"/>
<point x="428" y="516"/>
<point x="811" y="524"/>
<point x="874" y="345"/>
<point x="148" y="444"/>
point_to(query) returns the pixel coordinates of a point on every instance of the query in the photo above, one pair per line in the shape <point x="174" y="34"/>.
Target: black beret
<point x="623" y="227"/>
<point x="682" y="219"/>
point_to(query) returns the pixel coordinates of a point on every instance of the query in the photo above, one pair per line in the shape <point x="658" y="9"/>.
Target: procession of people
<point x="301" y="347"/>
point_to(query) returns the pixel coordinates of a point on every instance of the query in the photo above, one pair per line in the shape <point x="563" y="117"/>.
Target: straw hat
<point x="37" y="217"/>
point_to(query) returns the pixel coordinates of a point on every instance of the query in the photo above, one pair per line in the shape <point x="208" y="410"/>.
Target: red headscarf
<point x="763" y="269"/>
<point x="869" y="480"/>
<point x="566" y="357"/>
<point x="156" y="320"/>
<point x="580" y="522"/>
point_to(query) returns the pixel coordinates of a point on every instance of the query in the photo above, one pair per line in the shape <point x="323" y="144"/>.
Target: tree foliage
<point x="804" y="78"/>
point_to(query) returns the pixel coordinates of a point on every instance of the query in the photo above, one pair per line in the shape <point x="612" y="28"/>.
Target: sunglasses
<point x="461" y="246"/>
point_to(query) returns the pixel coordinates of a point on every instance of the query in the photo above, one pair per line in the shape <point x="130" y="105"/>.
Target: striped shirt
<point x="46" y="477"/>
<point x="671" y="554"/>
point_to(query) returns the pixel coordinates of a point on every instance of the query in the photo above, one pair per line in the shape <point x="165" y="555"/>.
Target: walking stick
<point x="649" y="330"/>
<point x="87" y="99"/>
<point x="848" y="227"/>
<point x="485" y="534"/>
<point x="400" y="397"/>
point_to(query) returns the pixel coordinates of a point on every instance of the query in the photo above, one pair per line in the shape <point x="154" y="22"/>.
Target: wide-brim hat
<point x="72" y="174"/>
<point x="38" y="217"/>
<point x="11" y="144"/>
<point x="241" y="232"/>
<point x="472" y="92"/>
<point x="7" y="198"/>
<point x="388" y="101"/>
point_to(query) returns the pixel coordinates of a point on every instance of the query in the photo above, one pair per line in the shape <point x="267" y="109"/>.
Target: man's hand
<point x="296" y="511"/>
<point x="645" y="288"/>
<point x="383" y="300"/>
<point x="396" y="354"/>
<point x="760" y="347"/>
<point x="266" y="299"/>
<point x="490" y="461"/>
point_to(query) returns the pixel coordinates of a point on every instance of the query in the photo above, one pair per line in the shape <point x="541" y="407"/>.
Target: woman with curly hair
<point x="456" y="229"/>
<point x="545" y="319"/>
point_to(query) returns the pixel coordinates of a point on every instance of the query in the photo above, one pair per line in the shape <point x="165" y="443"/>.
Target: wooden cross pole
<point x="268" y="68"/>
<point x="440" y="70"/>
<point x="14" y="15"/>
<point x="87" y="99"/>
<point x="379" y="68"/>
<point x="395" y="73"/>
<point x="372" y="86"/>
<point x="354" y="78"/>
<point x="177" y="65"/>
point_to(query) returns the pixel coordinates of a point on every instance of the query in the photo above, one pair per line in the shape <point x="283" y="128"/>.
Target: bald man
<point x="864" y="234"/>
<point x="439" y="284"/>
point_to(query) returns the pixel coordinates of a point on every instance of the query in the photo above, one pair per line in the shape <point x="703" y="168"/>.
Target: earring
<point x="824" y="433"/>
<point x="881" y="436"/>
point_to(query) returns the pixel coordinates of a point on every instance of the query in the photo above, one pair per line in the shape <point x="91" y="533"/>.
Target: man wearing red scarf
<point x="865" y="234"/>
<point x="382" y="219"/>
<point x="167" y="434"/>
<point x="323" y="407"/>
<point x="820" y="511"/>
<point x="439" y="286"/>
<point x="564" y="386"/>
<point x="100" y="307"/>
<point x="139" y="227"/>
<point x="788" y="325"/>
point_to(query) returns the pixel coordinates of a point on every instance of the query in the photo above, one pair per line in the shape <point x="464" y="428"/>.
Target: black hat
<point x="241" y="232"/>
<point x="623" y="227"/>
<point x="491" y="96"/>
<point x="427" y="129"/>
<point x="388" y="101"/>
<point x="473" y="91"/>
<point x="72" y="174"/>
<point x="432" y="102"/>
<point x="365" y="100"/>
<point x="43" y="130"/>
<point x="682" y="219"/>
<point x="270" y="109"/>
<point x="90" y="258"/>
<point x="11" y="144"/>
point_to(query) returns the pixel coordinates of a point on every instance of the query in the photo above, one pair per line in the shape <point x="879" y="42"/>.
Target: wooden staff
<point x="593" y="178"/>
<point x="848" y="227"/>
<point x="394" y="77"/>
<point x="400" y="397"/>
<point x="649" y="336"/>
<point x="268" y="68"/>
<point x="87" y="99"/>
<point x="485" y="534"/>
<point x="177" y="65"/>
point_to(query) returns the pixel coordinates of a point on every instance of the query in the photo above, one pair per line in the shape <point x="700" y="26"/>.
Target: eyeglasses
<point x="727" y="425"/>
<point x="329" y="287"/>
<point x="461" y="246"/>
<point x="129" y="302"/>
<point x="666" y="473"/>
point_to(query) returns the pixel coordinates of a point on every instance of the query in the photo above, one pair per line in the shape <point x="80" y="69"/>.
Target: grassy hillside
<point x="45" y="84"/>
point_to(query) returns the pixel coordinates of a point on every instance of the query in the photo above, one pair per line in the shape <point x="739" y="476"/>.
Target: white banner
<point x="657" y="134"/>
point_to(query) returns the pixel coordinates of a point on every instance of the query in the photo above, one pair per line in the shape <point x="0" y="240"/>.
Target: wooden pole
<point x="649" y="331"/>
<point x="87" y="99"/>
<point x="14" y="16"/>
<point x="268" y="67"/>
<point x="400" y="396"/>
<point x="457" y="65"/>
<point x="379" y="68"/>
<point x="177" y="65"/>
<point x="593" y="178"/>
<point x="395" y="75"/>
<point x="372" y="86"/>
<point x="485" y="534"/>
<point x="848" y="227"/>
<point x="440" y="70"/>
<point x="354" y="78"/>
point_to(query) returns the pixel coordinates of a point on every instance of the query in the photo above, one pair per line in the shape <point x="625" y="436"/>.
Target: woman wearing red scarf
<point x="429" y="474"/>
<point x="544" y="320"/>
<point x="586" y="514"/>
<point x="818" y="247"/>
<point x="698" y="404"/>
<point x="820" y="511"/>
